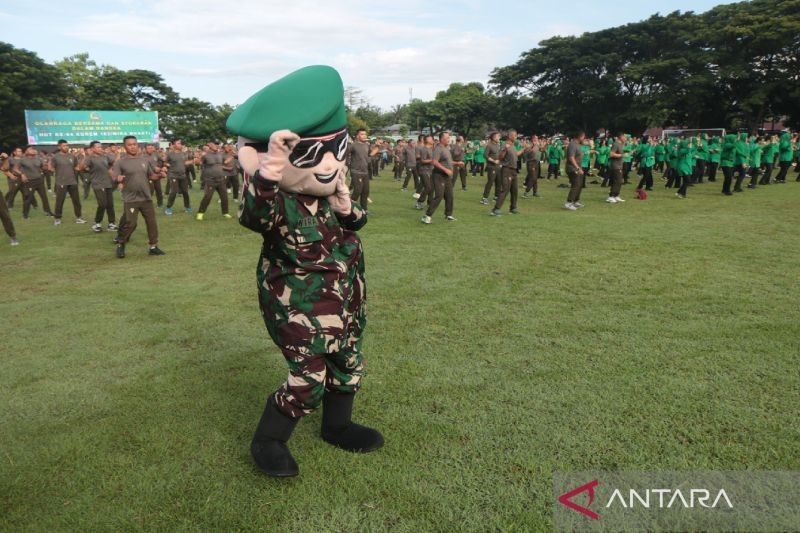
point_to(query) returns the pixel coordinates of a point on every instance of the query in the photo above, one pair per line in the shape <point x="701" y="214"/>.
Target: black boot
<point x="337" y="429"/>
<point x="269" y="442"/>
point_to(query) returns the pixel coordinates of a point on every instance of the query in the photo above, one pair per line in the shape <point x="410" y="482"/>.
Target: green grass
<point x="651" y="335"/>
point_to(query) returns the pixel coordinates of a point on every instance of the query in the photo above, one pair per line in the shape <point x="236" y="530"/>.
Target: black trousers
<point x="155" y="187"/>
<point x="425" y="189"/>
<point x="685" y="180"/>
<point x="233" y="184"/>
<point x="712" y="171"/>
<point x="442" y="188"/>
<point x="478" y="168"/>
<point x="411" y="172"/>
<point x="105" y="204"/>
<point x="740" y="175"/>
<point x="210" y="187"/>
<point x="178" y="186"/>
<point x="727" y="172"/>
<point x="360" y="193"/>
<point x="767" y="174"/>
<point x="492" y="175"/>
<point x="5" y="217"/>
<point x="647" y="178"/>
<point x="61" y="194"/>
<point x="784" y="168"/>
<point x="29" y="189"/>
<point x="699" y="171"/>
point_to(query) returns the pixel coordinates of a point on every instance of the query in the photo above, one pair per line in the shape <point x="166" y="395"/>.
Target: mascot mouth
<point x="326" y="178"/>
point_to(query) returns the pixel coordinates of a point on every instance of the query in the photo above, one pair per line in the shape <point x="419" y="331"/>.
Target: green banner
<point x="81" y="127"/>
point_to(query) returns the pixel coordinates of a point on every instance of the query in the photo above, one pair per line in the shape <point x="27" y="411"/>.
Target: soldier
<point x="30" y="169"/>
<point x="424" y="192"/>
<point x="97" y="165"/>
<point x="8" y="225"/>
<point x="213" y="178"/>
<point x="177" y="160"/>
<point x="310" y="273"/>
<point x="64" y="164"/>
<point x="492" y="153"/>
<point x="230" y="166"/>
<point x="459" y="166"/>
<point x="155" y="185"/>
<point x="442" y="177"/>
<point x="532" y="155"/>
<point x="617" y="157"/>
<point x="8" y="164"/>
<point x="399" y="159"/>
<point x="84" y="176"/>
<point x="508" y="174"/>
<point x="574" y="172"/>
<point x="360" y="153"/>
<point x="410" y="163"/>
<point x="134" y="170"/>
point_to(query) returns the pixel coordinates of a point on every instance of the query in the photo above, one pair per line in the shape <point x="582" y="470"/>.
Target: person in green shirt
<point x="768" y="158"/>
<point x="660" y="154"/>
<point x="586" y="159"/>
<point x="785" y="156"/>
<point x="757" y="145"/>
<point x="672" y="164"/>
<point x="647" y="158"/>
<point x="726" y="162"/>
<point x="553" y="158"/>
<point x="700" y="158"/>
<point x="627" y="159"/>
<point x="480" y="160"/>
<point x="684" y="167"/>
<point x="469" y="157"/>
<point x="713" y="158"/>
<point x="602" y="161"/>
<point x="740" y="160"/>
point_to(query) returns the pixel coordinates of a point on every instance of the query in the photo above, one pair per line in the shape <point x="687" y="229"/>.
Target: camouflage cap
<point x="309" y="101"/>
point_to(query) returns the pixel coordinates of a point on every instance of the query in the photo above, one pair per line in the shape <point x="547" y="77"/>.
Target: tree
<point x="462" y="107"/>
<point x="26" y="82"/>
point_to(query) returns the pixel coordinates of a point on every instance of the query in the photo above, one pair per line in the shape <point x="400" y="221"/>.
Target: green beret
<point x="309" y="102"/>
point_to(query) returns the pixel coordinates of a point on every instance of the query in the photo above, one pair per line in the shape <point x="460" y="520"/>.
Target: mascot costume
<point x="293" y="143"/>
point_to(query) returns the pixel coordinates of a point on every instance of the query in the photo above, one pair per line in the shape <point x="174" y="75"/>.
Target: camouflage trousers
<point x="323" y="351"/>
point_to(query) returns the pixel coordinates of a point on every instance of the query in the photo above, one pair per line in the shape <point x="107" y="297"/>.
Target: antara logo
<point x="659" y="498"/>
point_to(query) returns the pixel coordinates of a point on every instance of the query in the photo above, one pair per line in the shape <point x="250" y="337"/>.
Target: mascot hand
<point x="269" y="165"/>
<point x="340" y="200"/>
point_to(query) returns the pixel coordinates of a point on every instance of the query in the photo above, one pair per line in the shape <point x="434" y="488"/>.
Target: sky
<point x="222" y="52"/>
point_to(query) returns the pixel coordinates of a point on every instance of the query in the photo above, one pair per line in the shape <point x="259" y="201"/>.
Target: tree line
<point x="734" y="66"/>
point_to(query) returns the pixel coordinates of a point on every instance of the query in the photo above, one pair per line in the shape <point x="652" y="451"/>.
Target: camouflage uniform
<point x="312" y="290"/>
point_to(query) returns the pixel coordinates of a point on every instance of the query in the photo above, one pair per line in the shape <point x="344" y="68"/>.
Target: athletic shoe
<point x="199" y="216"/>
<point x="48" y="214"/>
<point x="618" y="199"/>
<point x="536" y="195"/>
<point x="425" y="219"/>
<point x="14" y="242"/>
<point x="112" y="227"/>
<point x="484" y="201"/>
<point x="369" y="200"/>
<point x="525" y="195"/>
<point x="680" y="196"/>
<point x="611" y="200"/>
<point x="155" y="250"/>
<point x="79" y="220"/>
<point x="515" y="211"/>
<point x="57" y="222"/>
<point x="168" y="211"/>
<point x="227" y="215"/>
<point x="450" y="218"/>
<point x="415" y="196"/>
<point x="188" y="210"/>
<point x="230" y="191"/>
<point x="417" y="206"/>
<point x="465" y="189"/>
<point x="727" y="193"/>
<point x="403" y="189"/>
<point x="97" y="228"/>
<point x="570" y="206"/>
<point x="120" y="251"/>
<point x="578" y="204"/>
<point x="495" y="213"/>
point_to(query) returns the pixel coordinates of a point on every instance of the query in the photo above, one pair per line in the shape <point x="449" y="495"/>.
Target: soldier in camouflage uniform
<point x="310" y="274"/>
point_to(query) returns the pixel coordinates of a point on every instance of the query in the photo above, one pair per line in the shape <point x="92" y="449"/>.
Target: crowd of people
<point x="433" y="165"/>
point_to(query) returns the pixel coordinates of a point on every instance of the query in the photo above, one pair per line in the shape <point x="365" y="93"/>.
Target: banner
<point x="82" y="127"/>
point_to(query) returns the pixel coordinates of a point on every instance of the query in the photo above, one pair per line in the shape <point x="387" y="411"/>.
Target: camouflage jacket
<point x="311" y="270"/>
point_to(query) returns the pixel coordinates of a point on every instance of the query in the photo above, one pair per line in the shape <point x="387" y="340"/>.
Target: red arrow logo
<point x="566" y="499"/>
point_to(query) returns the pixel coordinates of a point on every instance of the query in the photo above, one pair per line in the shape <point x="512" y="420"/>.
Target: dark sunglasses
<point x="309" y="151"/>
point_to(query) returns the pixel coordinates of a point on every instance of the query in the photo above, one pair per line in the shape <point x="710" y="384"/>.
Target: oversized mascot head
<point x="295" y="131"/>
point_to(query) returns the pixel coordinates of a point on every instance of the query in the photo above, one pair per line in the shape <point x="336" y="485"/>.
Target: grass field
<point x="662" y="334"/>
